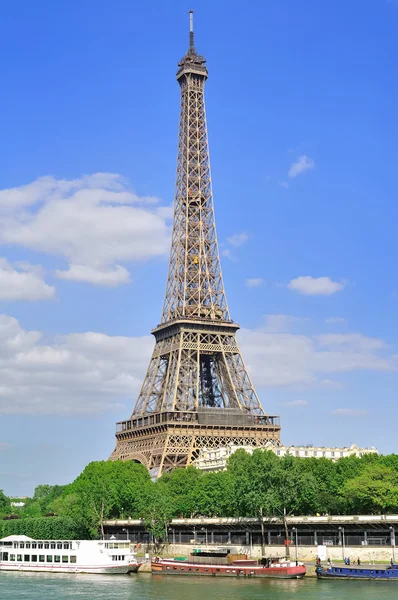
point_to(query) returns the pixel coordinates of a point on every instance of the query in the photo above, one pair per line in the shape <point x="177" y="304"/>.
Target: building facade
<point x="216" y="459"/>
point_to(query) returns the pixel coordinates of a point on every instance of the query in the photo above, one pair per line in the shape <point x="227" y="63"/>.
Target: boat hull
<point x="171" y="567"/>
<point x="357" y="573"/>
<point x="92" y="569"/>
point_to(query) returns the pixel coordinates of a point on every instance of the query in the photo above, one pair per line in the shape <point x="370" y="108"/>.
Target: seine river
<point x="37" y="586"/>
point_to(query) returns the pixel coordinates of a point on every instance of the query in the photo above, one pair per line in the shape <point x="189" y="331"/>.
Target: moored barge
<point x="283" y="569"/>
<point x="389" y="573"/>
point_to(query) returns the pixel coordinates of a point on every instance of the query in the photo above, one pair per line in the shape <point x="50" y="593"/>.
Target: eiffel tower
<point x="197" y="393"/>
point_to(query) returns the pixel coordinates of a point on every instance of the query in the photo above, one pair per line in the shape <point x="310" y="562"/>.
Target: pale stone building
<point x="216" y="459"/>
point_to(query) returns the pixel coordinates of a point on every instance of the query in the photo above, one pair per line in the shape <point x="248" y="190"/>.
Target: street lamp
<point x="392" y="529"/>
<point x="205" y="530"/>
<point x="127" y="533"/>
<point x="341" y="529"/>
<point x="294" y="529"/>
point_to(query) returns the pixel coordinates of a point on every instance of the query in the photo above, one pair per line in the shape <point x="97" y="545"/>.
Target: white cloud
<point x="294" y="403"/>
<point x="238" y="239"/>
<point x="315" y="286"/>
<point x="349" y="412"/>
<point x="278" y="323"/>
<point x="254" y="282"/>
<point x="227" y="253"/>
<point x="94" y="223"/>
<point x="23" y="282"/>
<point x="90" y="372"/>
<point x="277" y="359"/>
<point x="109" y="277"/>
<point x="336" y="320"/>
<point x="284" y="184"/>
<point x="4" y="446"/>
<point x="70" y="374"/>
<point x="301" y="165"/>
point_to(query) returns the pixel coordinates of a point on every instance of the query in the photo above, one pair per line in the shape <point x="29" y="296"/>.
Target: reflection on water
<point x="46" y="586"/>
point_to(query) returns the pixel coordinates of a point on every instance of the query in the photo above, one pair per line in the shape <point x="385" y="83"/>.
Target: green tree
<point x="373" y="491"/>
<point x="5" y="505"/>
<point x="291" y="491"/>
<point x="157" y="512"/>
<point x="181" y="485"/>
<point x="106" y="488"/>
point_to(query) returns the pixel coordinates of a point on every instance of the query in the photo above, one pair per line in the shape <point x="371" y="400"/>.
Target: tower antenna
<point x="191" y="33"/>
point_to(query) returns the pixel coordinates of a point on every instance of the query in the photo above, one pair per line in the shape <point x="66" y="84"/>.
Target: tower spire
<point x="191" y="32"/>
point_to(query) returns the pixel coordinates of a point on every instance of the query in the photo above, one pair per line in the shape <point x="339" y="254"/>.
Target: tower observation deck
<point x="197" y="393"/>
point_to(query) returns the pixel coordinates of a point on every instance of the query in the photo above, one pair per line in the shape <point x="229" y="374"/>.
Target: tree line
<point x="258" y="485"/>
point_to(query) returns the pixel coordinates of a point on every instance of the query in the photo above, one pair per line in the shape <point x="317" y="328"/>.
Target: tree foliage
<point x="260" y="485"/>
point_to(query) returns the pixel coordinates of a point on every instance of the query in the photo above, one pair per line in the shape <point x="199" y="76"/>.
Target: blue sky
<point x="301" y="105"/>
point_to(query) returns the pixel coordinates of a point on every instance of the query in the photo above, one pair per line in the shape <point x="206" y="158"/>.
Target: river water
<point x="38" y="586"/>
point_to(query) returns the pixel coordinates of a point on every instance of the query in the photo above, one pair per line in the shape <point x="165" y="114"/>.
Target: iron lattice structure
<point x="197" y="392"/>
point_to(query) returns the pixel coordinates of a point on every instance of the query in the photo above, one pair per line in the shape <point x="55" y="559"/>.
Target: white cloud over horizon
<point x="93" y="223"/>
<point x="81" y="373"/>
<point x="315" y="286"/>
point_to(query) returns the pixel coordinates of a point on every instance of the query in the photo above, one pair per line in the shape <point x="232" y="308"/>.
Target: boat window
<point x="26" y="557"/>
<point x="233" y="571"/>
<point x="182" y="569"/>
<point x="34" y="545"/>
<point x="22" y="545"/>
<point x="206" y="569"/>
<point x="27" y="545"/>
<point x="66" y="546"/>
<point x="12" y="557"/>
<point x="19" y="557"/>
<point x="34" y="558"/>
<point x="41" y="557"/>
<point x="59" y="546"/>
<point x="73" y="559"/>
<point x="46" y="546"/>
<point x="57" y="558"/>
<point x="175" y="568"/>
<point x="52" y="546"/>
<point x="49" y="558"/>
<point x="40" y="545"/>
<point x="217" y="569"/>
<point x="196" y="569"/>
<point x="168" y="568"/>
<point x="227" y="570"/>
<point x="64" y="559"/>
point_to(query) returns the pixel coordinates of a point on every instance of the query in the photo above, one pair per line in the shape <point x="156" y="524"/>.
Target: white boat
<point x="22" y="553"/>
